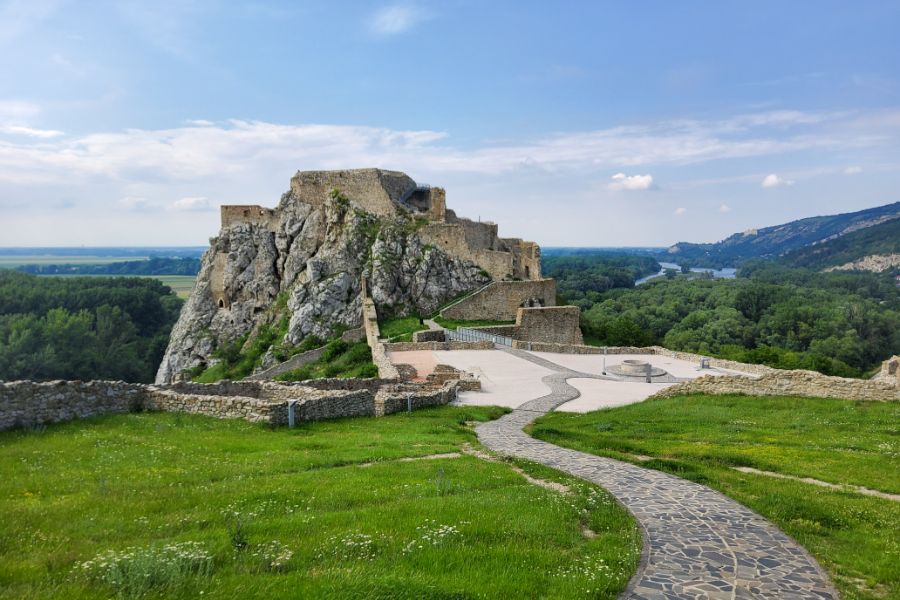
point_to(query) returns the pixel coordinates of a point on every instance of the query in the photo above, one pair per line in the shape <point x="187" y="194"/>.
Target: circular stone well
<point x="635" y="368"/>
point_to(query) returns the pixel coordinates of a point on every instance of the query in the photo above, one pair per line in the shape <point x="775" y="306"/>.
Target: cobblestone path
<point x="697" y="542"/>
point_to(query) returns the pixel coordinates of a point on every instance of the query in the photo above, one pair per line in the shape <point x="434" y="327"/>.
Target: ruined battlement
<point x="248" y="213"/>
<point x="386" y="194"/>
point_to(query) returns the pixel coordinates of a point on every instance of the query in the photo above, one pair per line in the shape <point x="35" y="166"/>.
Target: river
<point x="726" y="273"/>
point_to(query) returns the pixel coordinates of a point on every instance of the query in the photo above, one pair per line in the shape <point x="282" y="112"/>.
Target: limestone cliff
<point x="304" y="261"/>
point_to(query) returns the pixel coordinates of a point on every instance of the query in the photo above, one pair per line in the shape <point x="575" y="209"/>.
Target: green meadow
<point x="705" y="438"/>
<point x="176" y="506"/>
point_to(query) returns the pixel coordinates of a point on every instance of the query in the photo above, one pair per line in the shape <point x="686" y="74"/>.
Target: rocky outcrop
<point x="877" y="263"/>
<point x="304" y="262"/>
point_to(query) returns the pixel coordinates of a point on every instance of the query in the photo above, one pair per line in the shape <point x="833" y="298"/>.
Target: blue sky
<point x="570" y="123"/>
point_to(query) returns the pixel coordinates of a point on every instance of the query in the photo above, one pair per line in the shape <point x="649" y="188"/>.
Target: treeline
<point x="153" y="266"/>
<point x="83" y="328"/>
<point x="583" y="276"/>
<point x="836" y="323"/>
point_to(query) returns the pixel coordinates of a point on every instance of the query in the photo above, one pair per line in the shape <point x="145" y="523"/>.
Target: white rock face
<point x="307" y="262"/>
<point x="877" y="263"/>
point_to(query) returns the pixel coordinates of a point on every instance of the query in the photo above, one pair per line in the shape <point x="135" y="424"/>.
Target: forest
<point x="152" y="266"/>
<point x="582" y="276"/>
<point x="83" y="327"/>
<point x="836" y="323"/>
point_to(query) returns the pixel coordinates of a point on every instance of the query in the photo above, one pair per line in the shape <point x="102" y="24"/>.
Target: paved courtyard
<point x="510" y="380"/>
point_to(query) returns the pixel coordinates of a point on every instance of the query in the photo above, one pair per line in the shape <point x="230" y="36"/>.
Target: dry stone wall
<point x="788" y="383"/>
<point x="28" y="403"/>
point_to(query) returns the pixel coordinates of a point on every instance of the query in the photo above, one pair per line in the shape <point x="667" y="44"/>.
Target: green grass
<point x="401" y="328"/>
<point x="180" y="284"/>
<point x="838" y="441"/>
<point x="340" y="359"/>
<point x="455" y="324"/>
<point x="245" y="494"/>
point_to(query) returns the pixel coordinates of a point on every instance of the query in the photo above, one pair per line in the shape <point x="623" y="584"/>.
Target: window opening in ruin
<point x="221" y="303"/>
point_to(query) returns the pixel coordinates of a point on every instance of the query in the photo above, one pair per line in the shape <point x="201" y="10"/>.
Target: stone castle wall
<point x="549" y="325"/>
<point x="249" y="214"/>
<point x="500" y="300"/>
<point x="451" y="238"/>
<point x="29" y="403"/>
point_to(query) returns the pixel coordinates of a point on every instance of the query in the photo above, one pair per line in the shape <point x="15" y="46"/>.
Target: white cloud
<point x="45" y="134"/>
<point x="192" y="203"/>
<point x="724" y="208"/>
<point x="772" y="181"/>
<point x="621" y="181"/>
<point x="680" y="211"/>
<point x="251" y="150"/>
<point x="199" y="122"/>
<point x="853" y="170"/>
<point x="396" y="18"/>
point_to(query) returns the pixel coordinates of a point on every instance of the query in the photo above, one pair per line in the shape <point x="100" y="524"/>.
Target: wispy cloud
<point x="397" y="18"/>
<point x="853" y="170"/>
<point x="724" y="208"/>
<point x="680" y="211"/>
<point x="30" y="131"/>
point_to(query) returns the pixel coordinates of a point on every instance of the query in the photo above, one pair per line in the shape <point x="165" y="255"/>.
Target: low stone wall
<point x="788" y="383"/>
<point x="414" y="346"/>
<point x="500" y="300"/>
<point x="249" y="389"/>
<point x="386" y="370"/>
<point x="402" y="398"/>
<point x="354" y="335"/>
<point x="580" y="348"/>
<point x="348" y="384"/>
<point x="291" y="364"/>
<point x="718" y="363"/>
<point x="359" y="403"/>
<point x="29" y="403"/>
<point x="222" y="407"/>
<point x="429" y="335"/>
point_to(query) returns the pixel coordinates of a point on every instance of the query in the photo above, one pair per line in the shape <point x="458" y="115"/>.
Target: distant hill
<point x="771" y="242"/>
<point x="877" y="240"/>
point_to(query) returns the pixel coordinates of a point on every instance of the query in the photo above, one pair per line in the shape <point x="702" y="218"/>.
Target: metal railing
<point x="464" y="334"/>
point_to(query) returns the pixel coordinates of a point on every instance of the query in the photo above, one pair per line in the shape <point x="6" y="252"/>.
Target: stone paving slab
<point x="698" y="543"/>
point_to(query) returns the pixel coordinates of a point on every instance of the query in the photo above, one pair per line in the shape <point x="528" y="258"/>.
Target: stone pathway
<point x="697" y="542"/>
